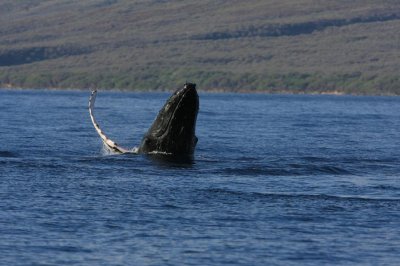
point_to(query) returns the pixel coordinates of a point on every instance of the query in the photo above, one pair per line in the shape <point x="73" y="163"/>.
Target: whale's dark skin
<point x="172" y="133"/>
<point x="173" y="130"/>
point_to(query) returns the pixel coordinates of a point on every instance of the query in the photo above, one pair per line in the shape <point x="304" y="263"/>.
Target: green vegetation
<point x="278" y="46"/>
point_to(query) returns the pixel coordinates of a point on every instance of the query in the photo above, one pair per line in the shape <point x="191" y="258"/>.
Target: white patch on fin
<point x="108" y="143"/>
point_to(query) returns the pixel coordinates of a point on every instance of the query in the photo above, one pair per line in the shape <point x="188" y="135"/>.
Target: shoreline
<point x="211" y="91"/>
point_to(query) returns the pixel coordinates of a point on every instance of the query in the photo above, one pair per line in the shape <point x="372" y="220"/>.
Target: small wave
<point x="7" y="154"/>
<point x="32" y="165"/>
<point x="305" y="125"/>
<point x="314" y="159"/>
<point x="386" y="187"/>
<point x="287" y="170"/>
<point x="170" y="206"/>
<point x="329" y="169"/>
<point x="266" y="195"/>
<point x="257" y="171"/>
<point x="332" y="208"/>
<point x="71" y="249"/>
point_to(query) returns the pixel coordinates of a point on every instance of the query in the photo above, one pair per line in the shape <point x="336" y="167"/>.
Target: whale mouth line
<point x="179" y="104"/>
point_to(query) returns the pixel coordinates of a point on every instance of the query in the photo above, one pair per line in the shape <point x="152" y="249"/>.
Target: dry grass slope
<point x="297" y="46"/>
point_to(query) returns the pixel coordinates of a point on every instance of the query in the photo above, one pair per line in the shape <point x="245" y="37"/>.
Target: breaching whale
<point x="173" y="130"/>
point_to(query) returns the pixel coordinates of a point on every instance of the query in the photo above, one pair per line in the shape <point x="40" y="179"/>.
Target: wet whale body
<point x="172" y="132"/>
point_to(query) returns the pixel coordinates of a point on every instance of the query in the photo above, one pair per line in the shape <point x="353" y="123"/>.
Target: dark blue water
<point x="281" y="180"/>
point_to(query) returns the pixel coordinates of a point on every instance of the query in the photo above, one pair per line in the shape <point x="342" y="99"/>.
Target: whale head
<point x="173" y="130"/>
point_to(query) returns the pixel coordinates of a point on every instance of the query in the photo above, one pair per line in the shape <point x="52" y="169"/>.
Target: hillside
<point x="298" y="46"/>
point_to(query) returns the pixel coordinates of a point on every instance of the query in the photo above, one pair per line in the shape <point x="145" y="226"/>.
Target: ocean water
<point x="276" y="180"/>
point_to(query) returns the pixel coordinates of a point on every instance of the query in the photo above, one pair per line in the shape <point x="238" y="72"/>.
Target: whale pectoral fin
<point x="108" y="143"/>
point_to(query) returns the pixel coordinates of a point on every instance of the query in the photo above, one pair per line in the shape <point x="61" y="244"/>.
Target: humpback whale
<point x="173" y="130"/>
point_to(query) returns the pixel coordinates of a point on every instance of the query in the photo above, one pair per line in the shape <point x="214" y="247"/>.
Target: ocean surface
<point x="276" y="180"/>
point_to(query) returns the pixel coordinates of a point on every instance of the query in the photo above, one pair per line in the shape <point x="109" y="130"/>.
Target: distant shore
<point x="324" y="47"/>
<point x="208" y="90"/>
